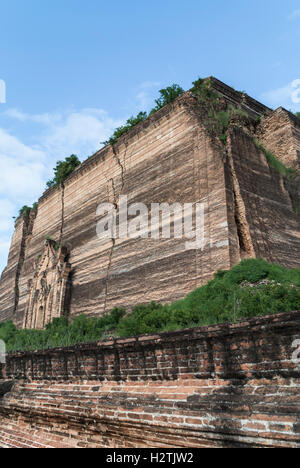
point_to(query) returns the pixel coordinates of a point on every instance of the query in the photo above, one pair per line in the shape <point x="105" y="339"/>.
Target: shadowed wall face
<point x="221" y="386"/>
<point x="280" y="133"/>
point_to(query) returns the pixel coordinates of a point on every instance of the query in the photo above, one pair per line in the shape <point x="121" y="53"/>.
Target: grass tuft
<point x="252" y="288"/>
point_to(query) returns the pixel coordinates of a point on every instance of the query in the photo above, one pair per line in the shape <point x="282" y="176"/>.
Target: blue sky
<point x="76" y="69"/>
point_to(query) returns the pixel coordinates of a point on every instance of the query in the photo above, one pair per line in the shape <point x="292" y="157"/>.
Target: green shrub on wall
<point x="62" y="170"/>
<point x="276" y="163"/>
<point x="252" y="288"/>
<point x="26" y="210"/>
<point x="130" y="123"/>
<point x="167" y="95"/>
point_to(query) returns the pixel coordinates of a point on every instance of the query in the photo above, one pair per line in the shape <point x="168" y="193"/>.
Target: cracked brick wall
<point x="10" y="279"/>
<point x="279" y="132"/>
<point x="219" y="386"/>
<point x="170" y="157"/>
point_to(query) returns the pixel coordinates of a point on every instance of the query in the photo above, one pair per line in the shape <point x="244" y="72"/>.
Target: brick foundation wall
<point x="219" y="386"/>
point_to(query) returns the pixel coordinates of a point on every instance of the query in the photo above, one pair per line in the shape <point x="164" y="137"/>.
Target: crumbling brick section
<point x="219" y="386"/>
<point x="279" y="132"/>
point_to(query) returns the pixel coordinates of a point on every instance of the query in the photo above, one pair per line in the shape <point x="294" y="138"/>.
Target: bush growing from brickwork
<point x="252" y="288"/>
<point x="130" y="123"/>
<point x="211" y="104"/>
<point x="26" y="210"/>
<point x="274" y="162"/>
<point x="62" y="170"/>
<point x="167" y="95"/>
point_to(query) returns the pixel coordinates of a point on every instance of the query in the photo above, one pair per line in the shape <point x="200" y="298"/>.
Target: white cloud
<point x="22" y="168"/>
<point x="22" y="178"/>
<point x="149" y="84"/>
<point x="15" y="114"/>
<point x="7" y="211"/>
<point x="79" y="132"/>
<point x="145" y="94"/>
<point x="4" y="249"/>
<point x="295" y="14"/>
<point x="25" y="168"/>
<point x="287" y="96"/>
<point x="143" y="99"/>
<point x="45" y="119"/>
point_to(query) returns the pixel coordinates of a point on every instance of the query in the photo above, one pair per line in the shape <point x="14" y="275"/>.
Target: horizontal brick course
<point x="109" y="395"/>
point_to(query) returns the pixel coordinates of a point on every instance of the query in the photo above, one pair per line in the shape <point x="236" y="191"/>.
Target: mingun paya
<point x="57" y="264"/>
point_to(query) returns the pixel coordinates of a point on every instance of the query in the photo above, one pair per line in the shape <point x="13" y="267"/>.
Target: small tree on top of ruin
<point x="62" y="170"/>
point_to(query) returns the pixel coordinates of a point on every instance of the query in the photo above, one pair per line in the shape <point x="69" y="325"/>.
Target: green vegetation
<point x="167" y="95"/>
<point x="59" y="332"/>
<point x="252" y="288"/>
<point x="62" y="170"/>
<point x="125" y="128"/>
<point x="216" y="111"/>
<point x="26" y="210"/>
<point x="212" y="105"/>
<point x="56" y="244"/>
<point x="218" y="121"/>
<point x="274" y="162"/>
<point x="205" y="93"/>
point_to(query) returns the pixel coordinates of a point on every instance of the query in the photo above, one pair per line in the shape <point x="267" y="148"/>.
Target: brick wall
<point x="168" y="158"/>
<point x="219" y="386"/>
<point x="279" y="132"/>
<point x="171" y="157"/>
<point x="273" y="226"/>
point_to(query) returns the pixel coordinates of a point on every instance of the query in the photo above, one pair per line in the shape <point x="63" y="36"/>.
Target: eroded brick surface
<point x="220" y="386"/>
<point x="171" y="157"/>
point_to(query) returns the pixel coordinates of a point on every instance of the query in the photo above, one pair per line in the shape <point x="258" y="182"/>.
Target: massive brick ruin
<point x="220" y="386"/>
<point x="250" y="211"/>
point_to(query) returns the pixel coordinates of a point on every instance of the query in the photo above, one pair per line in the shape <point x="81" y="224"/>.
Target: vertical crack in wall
<point x="115" y="203"/>
<point x="62" y="188"/>
<point x="243" y="231"/>
<point x="28" y="222"/>
<point x="120" y="165"/>
<point x="113" y="241"/>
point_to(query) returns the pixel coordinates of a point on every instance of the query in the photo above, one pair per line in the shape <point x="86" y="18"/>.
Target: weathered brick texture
<point x="219" y="386"/>
<point x="171" y="157"/>
<point x="280" y="133"/>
